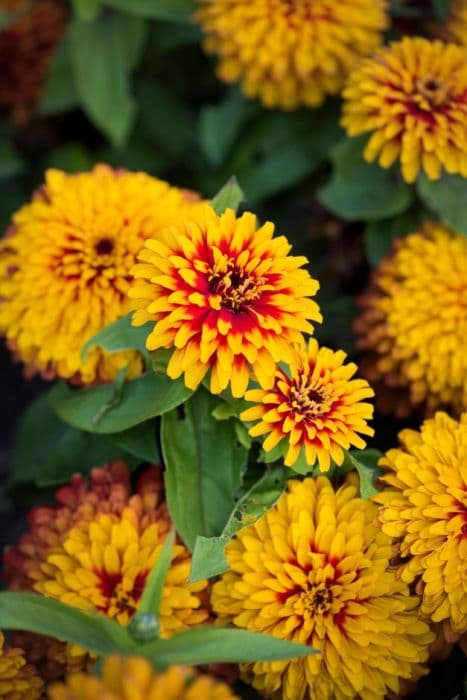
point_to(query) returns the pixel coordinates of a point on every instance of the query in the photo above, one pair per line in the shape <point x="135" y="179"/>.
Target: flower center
<point x="118" y="597"/>
<point x="308" y="401"/>
<point x="430" y="93"/>
<point x="317" y="599"/>
<point x="235" y="286"/>
<point x="104" y="246"/>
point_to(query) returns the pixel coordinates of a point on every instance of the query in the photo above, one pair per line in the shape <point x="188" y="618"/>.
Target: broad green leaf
<point x="119" y="336"/>
<point x="96" y="410"/>
<point x="86" y="9"/>
<point x="34" y="613"/>
<point x="61" y="451"/>
<point x="173" y="10"/>
<point x="366" y="464"/>
<point x="152" y="595"/>
<point x="59" y="93"/>
<point x="204" y="465"/>
<point x="446" y="197"/>
<point x="139" y="441"/>
<point x="358" y="190"/>
<point x="208" y="554"/>
<point x="219" y="125"/>
<point x="101" y="71"/>
<point x="205" y="645"/>
<point x="229" y="197"/>
<point x="380" y="235"/>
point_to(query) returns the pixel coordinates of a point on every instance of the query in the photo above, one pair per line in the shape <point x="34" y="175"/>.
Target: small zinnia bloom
<point x="413" y="96"/>
<point x="18" y="680"/>
<point x="225" y="295"/>
<point x="414" y="322"/>
<point x="316" y="570"/>
<point x="424" y="508"/>
<point x="291" y="53"/>
<point x="65" y="266"/>
<point x="27" y="46"/>
<point x="103" y="565"/>
<point x="316" y="407"/>
<point x="125" y="678"/>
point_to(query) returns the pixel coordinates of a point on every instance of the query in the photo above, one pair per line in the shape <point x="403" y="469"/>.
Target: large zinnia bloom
<point x="413" y="96"/>
<point x="134" y="678"/>
<point x="424" y="508"/>
<point x="225" y="295"/>
<point x="65" y="266"/>
<point x="315" y="570"/>
<point x="316" y="407"/>
<point x="18" y="680"/>
<point x="414" y="323"/>
<point x="291" y="53"/>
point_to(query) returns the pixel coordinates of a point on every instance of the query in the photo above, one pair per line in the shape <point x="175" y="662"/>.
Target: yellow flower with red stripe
<point x="18" y="680"/>
<point x="413" y="96"/>
<point x="65" y="267"/>
<point x="291" y="53"/>
<point x="316" y="407"/>
<point x="424" y="508"/>
<point x="133" y="678"/>
<point x="225" y="295"/>
<point x="316" y="570"/>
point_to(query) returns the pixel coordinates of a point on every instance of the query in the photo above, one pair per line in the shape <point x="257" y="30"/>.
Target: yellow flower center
<point x="235" y="287"/>
<point x="120" y="596"/>
<point x="316" y="600"/>
<point x="308" y="401"/>
<point x="430" y="93"/>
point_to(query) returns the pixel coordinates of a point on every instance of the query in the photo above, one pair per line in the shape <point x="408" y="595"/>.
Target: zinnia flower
<point x="413" y="96"/>
<point x="291" y="53"/>
<point x="424" y="507"/>
<point x="27" y="46"/>
<point x="133" y="678"/>
<point x="65" y="266"/>
<point x="315" y="406"/>
<point x="225" y="295"/>
<point x="414" y="322"/>
<point x="315" y="570"/>
<point x="456" y="27"/>
<point x="103" y="565"/>
<point x="18" y="680"/>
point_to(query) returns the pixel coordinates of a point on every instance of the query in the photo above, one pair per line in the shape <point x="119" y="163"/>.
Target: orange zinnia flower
<point x="225" y="295"/>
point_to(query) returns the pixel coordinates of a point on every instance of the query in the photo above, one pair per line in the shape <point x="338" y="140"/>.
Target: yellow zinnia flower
<point x="225" y="295"/>
<point x="315" y="570"/>
<point x="103" y="565"/>
<point x="424" y="507"/>
<point x="412" y="95"/>
<point x="291" y="53"/>
<point x="133" y="678"/>
<point x="65" y="266"/>
<point x="316" y="406"/>
<point x="414" y="322"/>
<point x="18" y="681"/>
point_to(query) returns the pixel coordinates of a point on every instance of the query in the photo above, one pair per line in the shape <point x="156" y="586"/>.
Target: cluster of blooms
<point x="18" y="679"/>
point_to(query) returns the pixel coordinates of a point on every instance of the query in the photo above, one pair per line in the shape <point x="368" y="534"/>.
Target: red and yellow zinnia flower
<point x="317" y="407"/>
<point x="133" y="678"/>
<point x="413" y="96"/>
<point x="65" y="267"/>
<point x="414" y="323"/>
<point x="316" y="570"/>
<point x="225" y="295"/>
<point x="18" y="680"/>
<point x="291" y="53"/>
<point x="424" y="508"/>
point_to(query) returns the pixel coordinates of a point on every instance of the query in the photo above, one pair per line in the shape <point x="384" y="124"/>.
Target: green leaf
<point x="208" y="554"/>
<point x="229" y="197"/>
<point x="61" y="451"/>
<point x="119" y="336"/>
<point x="366" y="464"/>
<point x="11" y="163"/>
<point x="206" y="645"/>
<point x="219" y="125"/>
<point x="380" y="235"/>
<point x="139" y="441"/>
<point x="173" y="10"/>
<point x="447" y="197"/>
<point x="86" y="9"/>
<point x="358" y="190"/>
<point x="59" y="93"/>
<point x="204" y="465"/>
<point x="142" y="398"/>
<point x="102" y="54"/>
<point x="34" y="613"/>
<point x="152" y="595"/>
